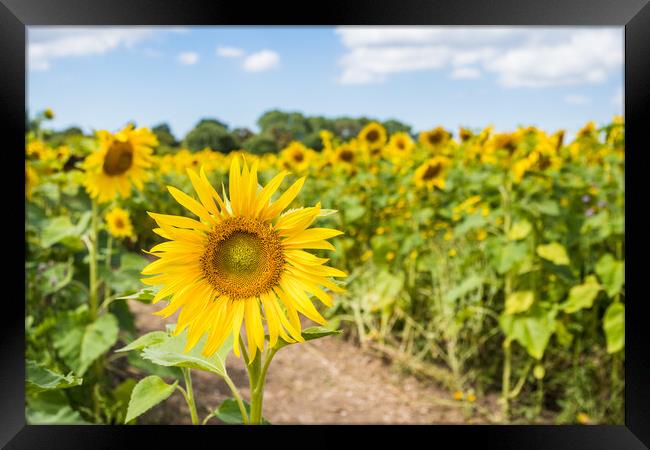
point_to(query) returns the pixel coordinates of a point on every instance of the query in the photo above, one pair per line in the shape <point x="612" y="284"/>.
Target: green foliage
<point x="614" y="326"/>
<point x="532" y="329"/>
<point x="212" y="134"/>
<point x="260" y="144"/>
<point x="148" y="393"/>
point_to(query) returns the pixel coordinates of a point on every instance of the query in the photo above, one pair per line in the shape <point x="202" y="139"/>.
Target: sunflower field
<point x="491" y="263"/>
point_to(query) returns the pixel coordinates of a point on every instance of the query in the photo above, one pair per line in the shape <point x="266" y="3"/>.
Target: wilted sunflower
<point x="118" y="223"/>
<point x="432" y="173"/>
<point x="241" y="257"/>
<point x="373" y="137"/>
<point x="121" y="161"/>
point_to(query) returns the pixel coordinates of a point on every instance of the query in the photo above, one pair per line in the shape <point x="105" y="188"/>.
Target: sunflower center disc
<point x="298" y="157"/>
<point x="431" y="172"/>
<point x="119" y="158"/>
<point x="347" y="155"/>
<point x="239" y="254"/>
<point x="243" y="258"/>
<point x="372" y="135"/>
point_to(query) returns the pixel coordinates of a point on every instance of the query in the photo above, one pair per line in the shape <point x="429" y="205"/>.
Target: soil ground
<point x="326" y="381"/>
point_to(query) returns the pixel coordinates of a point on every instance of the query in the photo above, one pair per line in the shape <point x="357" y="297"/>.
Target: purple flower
<point x="602" y="204"/>
<point x="589" y="212"/>
<point x="585" y="198"/>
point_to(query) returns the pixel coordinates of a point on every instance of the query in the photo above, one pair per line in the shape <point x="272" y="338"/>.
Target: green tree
<point x="260" y="144"/>
<point x="164" y="135"/>
<point x="210" y="133"/>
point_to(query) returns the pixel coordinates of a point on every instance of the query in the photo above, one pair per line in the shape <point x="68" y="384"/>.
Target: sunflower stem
<point x="257" y="393"/>
<point x="92" y="250"/>
<point x="109" y="251"/>
<point x="187" y="376"/>
<point x="238" y="398"/>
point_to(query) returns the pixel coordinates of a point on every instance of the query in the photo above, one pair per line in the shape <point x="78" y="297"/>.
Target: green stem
<point x="505" y="392"/>
<point x="238" y="398"/>
<point x="109" y="251"/>
<point x="507" y="352"/>
<point x="187" y="376"/>
<point x="92" y="249"/>
<point x="257" y="392"/>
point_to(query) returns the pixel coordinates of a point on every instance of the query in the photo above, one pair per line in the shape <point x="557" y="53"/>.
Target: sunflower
<point x="31" y="179"/>
<point x="121" y="161"/>
<point x="38" y="150"/>
<point x="119" y="224"/>
<point x="346" y="155"/>
<point x="241" y="258"/>
<point x="373" y="137"/>
<point x="435" y="139"/>
<point x="296" y="156"/>
<point x="432" y="173"/>
<point x="400" y="145"/>
<point x="465" y="134"/>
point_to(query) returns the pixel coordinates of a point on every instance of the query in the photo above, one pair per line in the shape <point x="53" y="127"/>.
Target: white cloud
<point x="49" y="44"/>
<point x="518" y="57"/>
<point x="586" y="57"/>
<point x="229" y="52"/>
<point x="188" y="58"/>
<point x="465" y="73"/>
<point x="373" y="64"/>
<point x="261" y="61"/>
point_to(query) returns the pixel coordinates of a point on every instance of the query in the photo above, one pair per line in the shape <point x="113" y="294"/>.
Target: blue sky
<point x="102" y="77"/>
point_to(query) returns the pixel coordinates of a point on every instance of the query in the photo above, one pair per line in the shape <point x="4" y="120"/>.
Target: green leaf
<point x="80" y="344"/>
<point x="51" y="408"/>
<point x="582" y="296"/>
<point x="518" y="302"/>
<point x="563" y="336"/>
<point x="146" y="340"/>
<point x="470" y="223"/>
<point x="614" y="326"/>
<point x="99" y="336"/>
<point x="519" y="230"/>
<point x="327" y="212"/>
<point x="354" y="212"/>
<point x="466" y="286"/>
<point x="41" y="378"/>
<point x="532" y="330"/>
<point x="146" y="394"/>
<point x="145" y="295"/>
<point x="57" y="229"/>
<point x="146" y="366"/>
<point x="56" y="277"/>
<point x="170" y="352"/>
<point x="548" y="207"/>
<point x="309" y="334"/>
<point x="510" y="255"/>
<point x="128" y="277"/>
<point x="228" y="412"/>
<point x="554" y="252"/>
<point x="611" y="273"/>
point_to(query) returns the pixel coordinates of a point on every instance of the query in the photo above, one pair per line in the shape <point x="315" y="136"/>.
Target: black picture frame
<point x="634" y="15"/>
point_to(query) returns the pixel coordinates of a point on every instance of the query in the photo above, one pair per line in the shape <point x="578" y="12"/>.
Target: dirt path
<point x="326" y="381"/>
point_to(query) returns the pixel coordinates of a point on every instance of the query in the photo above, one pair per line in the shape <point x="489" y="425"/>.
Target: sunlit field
<point x="486" y="267"/>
